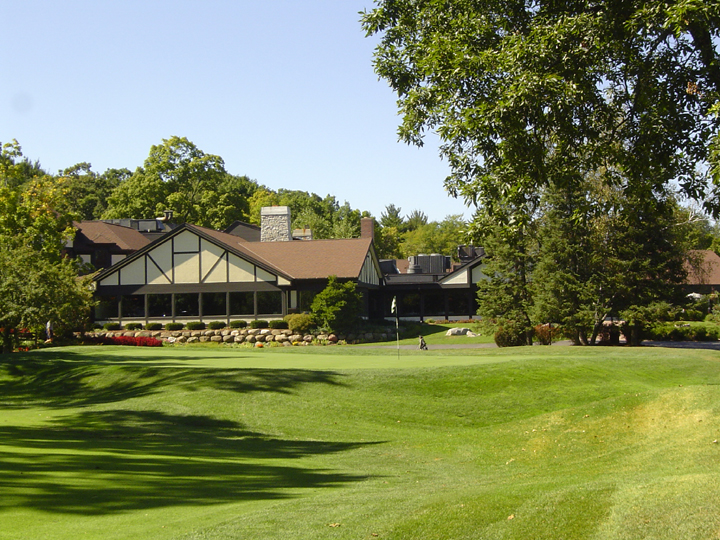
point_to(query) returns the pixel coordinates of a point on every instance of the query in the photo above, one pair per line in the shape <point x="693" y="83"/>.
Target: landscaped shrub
<point x="195" y="325"/>
<point x="300" y="323"/>
<point x="238" y="324"/>
<point x="714" y="315"/>
<point x="546" y="333"/>
<point x="133" y="326"/>
<point x="172" y="326"/>
<point x="216" y="325"/>
<point x="698" y="333"/>
<point x="154" y="326"/>
<point x="684" y="332"/>
<point x="713" y="333"/>
<point x="259" y="324"/>
<point x="126" y="340"/>
<point x="338" y="306"/>
<point x="692" y="314"/>
<point x="278" y="325"/>
<point x="679" y="333"/>
<point x="510" y="334"/>
<point x="111" y="326"/>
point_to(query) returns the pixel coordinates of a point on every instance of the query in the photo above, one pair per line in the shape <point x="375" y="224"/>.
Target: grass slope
<point x="581" y="443"/>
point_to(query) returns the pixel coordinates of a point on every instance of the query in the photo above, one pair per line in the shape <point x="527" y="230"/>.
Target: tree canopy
<point x="572" y="127"/>
<point x="87" y="191"/>
<point x="178" y="176"/>
<point x="34" y="290"/>
<point x="523" y="94"/>
<point x="37" y="284"/>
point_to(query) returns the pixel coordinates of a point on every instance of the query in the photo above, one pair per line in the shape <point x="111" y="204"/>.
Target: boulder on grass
<point x="457" y="332"/>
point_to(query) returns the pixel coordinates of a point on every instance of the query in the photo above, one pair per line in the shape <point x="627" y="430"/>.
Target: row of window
<point x="452" y="302"/>
<point x="222" y="304"/>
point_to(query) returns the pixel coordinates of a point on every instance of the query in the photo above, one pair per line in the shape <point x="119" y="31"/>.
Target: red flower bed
<point x="126" y="340"/>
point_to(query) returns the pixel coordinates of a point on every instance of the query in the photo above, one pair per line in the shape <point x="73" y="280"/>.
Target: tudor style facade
<point x="248" y="272"/>
<point x="196" y="273"/>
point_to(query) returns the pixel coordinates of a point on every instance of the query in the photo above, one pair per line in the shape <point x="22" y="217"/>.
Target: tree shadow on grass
<point x="57" y="384"/>
<point x="100" y="462"/>
<point x="112" y="461"/>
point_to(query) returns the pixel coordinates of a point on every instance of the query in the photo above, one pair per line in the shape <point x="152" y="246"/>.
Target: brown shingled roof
<point x="99" y="232"/>
<point x="315" y="259"/>
<point x="704" y="268"/>
<point x="306" y="259"/>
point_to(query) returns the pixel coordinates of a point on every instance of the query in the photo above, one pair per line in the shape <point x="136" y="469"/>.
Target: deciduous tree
<point x="88" y="192"/>
<point x="37" y="283"/>
<point x="179" y="176"/>
<point x="521" y="93"/>
<point x="34" y="290"/>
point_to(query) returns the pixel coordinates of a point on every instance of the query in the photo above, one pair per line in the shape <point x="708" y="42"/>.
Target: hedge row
<point x="693" y="332"/>
<point x="197" y="325"/>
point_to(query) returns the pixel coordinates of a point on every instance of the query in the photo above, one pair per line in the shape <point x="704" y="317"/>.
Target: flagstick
<point x="393" y="309"/>
<point x="397" y="335"/>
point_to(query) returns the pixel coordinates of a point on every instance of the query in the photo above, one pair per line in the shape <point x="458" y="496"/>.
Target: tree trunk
<point x="7" y="340"/>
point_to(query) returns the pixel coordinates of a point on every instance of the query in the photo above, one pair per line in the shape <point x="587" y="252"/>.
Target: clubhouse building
<point x="154" y="271"/>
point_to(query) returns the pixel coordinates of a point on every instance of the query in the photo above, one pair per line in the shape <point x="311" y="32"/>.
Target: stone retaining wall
<point x="247" y="335"/>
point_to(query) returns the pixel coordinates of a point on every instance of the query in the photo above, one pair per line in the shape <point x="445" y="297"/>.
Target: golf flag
<point x="393" y="309"/>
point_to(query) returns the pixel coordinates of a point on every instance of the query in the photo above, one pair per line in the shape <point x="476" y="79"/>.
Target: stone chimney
<point x="275" y="224"/>
<point x="367" y="228"/>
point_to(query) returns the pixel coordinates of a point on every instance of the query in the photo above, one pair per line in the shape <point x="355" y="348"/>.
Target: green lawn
<point x="355" y="443"/>
<point x="434" y="334"/>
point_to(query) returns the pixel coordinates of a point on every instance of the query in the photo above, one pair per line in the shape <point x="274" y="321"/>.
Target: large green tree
<point x="37" y="284"/>
<point x="34" y="290"/>
<point x="15" y="169"/>
<point x="530" y="99"/>
<point x="29" y="217"/>
<point x="527" y="93"/>
<point x="392" y="217"/>
<point x="505" y="298"/>
<point x="88" y="192"/>
<point x="600" y="250"/>
<point x="441" y="237"/>
<point x="178" y="176"/>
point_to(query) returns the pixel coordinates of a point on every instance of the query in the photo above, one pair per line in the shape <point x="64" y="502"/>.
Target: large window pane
<point x="241" y="303"/>
<point x="187" y="305"/>
<point x="459" y="302"/>
<point x="133" y="305"/>
<point x="409" y="304"/>
<point x="269" y="302"/>
<point x="159" y="305"/>
<point x="214" y="304"/>
<point x="434" y="304"/>
<point x="107" y="308"/>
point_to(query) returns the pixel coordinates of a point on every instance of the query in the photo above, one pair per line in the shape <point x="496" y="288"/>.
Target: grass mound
<point x="109" y="442"/>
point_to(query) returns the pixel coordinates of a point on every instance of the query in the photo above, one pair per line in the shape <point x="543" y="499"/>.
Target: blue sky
<point x="282" y="90"/>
